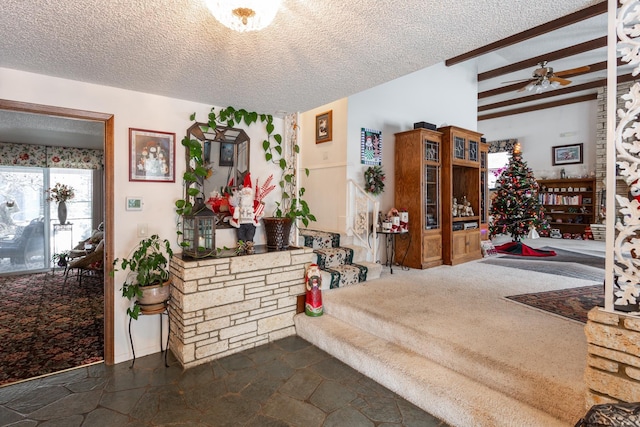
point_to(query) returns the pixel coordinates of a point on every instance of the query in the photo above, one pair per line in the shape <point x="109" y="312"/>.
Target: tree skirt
<point x="519" y="248"/>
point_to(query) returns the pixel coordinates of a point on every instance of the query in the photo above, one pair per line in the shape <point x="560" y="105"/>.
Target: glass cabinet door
<point x="459" y="147"/>
<point x="431" y="197"/>
<point x="484" y="177"/>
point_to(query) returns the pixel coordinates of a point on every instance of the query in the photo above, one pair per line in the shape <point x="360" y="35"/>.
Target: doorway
<point x="107" y="121"/>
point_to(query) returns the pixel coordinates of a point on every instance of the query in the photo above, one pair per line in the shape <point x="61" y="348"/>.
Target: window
<point x="23" y="202"/>
<point x="497" y="163"/>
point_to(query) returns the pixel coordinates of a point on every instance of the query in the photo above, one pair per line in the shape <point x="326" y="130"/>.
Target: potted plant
<point x="60" y="258"/>
<point x="291" y="206"/>
<point x="148" y="279"/>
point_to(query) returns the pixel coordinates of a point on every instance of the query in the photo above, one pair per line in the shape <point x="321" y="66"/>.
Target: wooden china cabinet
<point x="418" y="155"/>
<point x="461" y="180"/>
<point x="432" y="168"/>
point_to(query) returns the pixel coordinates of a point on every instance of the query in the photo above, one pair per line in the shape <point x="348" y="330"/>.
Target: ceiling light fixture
<point x="541" y="85"/>
<point x="244" y="15"/>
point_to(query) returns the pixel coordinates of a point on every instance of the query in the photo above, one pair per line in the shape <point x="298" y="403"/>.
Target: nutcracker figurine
<point x="313" y="281"/>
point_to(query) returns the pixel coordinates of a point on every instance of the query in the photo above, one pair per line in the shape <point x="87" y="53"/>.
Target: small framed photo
<point x="567" y="154"/>
<point x="226" y="154"/>
<point x="151" y="155"/>
<point x="134" y="204"/>
<point x="586" y="200"/>
<point x="324" y="127"/>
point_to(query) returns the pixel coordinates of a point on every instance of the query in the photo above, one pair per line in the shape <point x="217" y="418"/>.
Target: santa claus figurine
<point x="246" y="212"/>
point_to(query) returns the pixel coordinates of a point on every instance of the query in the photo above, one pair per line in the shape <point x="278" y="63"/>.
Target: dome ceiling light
<point x="244" y="15"/>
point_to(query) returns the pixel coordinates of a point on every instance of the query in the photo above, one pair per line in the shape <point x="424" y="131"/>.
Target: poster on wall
<point x="371" y="147"/>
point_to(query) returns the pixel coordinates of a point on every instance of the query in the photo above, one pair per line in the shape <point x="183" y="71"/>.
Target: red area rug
<point x="43" y="330"/>
<point x="519" y="248"/>
<point x="573" y="303"/>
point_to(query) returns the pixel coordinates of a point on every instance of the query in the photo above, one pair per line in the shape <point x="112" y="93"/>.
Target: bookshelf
<point x="570" y="204"/>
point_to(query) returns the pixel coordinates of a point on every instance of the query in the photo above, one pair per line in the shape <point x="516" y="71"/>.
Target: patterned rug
<point x="572" y="303"/>
<point x="43" y="330"/>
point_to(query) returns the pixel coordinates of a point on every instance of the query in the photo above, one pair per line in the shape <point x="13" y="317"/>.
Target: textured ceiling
<point x="315" y="52"/>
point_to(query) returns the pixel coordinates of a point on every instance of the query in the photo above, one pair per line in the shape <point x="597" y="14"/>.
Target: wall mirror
<point x="225" y="152"/>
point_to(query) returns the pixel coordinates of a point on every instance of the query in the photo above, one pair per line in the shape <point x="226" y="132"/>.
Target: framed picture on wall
<point x="151" y="155"/>
<point x="567" y="154"/>
<point x="324" y="127"/>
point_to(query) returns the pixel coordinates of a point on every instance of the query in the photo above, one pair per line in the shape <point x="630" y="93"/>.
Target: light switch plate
<point x="142" y="230"/>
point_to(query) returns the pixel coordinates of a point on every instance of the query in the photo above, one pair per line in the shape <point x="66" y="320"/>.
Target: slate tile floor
<point x="285" y="383"/>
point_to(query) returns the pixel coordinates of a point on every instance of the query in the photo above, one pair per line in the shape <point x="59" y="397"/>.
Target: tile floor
<point x="285" y="383"/>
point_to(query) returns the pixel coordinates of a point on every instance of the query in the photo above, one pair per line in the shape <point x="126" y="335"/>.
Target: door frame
<point x="107" y="119"/>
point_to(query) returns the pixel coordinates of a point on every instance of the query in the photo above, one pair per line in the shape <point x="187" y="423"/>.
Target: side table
<point x="164" y="311"/>
<point x="390" y="244"/>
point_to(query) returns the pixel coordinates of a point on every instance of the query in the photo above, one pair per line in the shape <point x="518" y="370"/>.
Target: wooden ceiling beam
<point x="558" y="103"/>
<point x="572" y="18"/>
<point x="550" y="56"/>
<point x="556" y="92"/>
<point x="543" y="95"/>
<point x="599" y="66"/>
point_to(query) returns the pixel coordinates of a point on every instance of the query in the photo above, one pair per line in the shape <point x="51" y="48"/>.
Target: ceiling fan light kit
<point x="244" y="15"/>
<point x="544" y="78"/>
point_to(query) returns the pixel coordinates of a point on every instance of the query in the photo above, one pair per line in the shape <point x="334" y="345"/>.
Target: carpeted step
<point x="319" y="239"/>
<point x="448" y="395"/>
<point x="374" y="270"/>
<point x="327" y="258"/>
<point x="546" y="393"/>
<point x="346" y="274"/>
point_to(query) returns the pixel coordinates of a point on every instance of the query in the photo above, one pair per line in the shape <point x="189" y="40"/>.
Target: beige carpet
<point x="458" y="318"/>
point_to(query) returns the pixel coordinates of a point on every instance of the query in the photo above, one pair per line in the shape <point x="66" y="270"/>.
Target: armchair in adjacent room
<point x="28" y="242"/>
<point x="90" y="265"/>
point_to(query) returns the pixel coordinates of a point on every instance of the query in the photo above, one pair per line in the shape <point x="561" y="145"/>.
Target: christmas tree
<point x="516" y="208"/>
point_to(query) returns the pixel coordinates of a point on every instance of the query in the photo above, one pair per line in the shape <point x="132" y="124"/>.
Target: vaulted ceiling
<point x="571" y="42"/>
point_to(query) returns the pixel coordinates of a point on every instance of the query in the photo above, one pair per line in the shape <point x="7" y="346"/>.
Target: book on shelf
<point x="558" y="199"/>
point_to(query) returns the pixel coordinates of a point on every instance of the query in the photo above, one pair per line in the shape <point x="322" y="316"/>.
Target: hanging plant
<point x="374" y="180"/>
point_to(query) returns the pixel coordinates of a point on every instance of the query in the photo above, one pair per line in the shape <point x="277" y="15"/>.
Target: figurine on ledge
<point x="247" y="209"/>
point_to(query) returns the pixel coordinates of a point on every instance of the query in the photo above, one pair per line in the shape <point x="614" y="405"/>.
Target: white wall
<point x="327" y="163"/>
<point x="145" y="111"/>
<point x="438" y="94"/>
<point x="538" y="131"/>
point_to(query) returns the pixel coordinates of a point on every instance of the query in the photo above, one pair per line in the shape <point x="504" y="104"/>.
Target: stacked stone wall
<point x="223" y="306"/>
<point x="601" y="140"/>
<point x="613" y="360"/>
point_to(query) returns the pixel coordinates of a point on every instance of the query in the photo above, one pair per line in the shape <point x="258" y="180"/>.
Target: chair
<point x="28" y="242"/>
<point x="90" y="265"/>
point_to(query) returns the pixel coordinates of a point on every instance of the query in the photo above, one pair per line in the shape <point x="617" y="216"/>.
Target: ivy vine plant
<point x="291" y="204"/>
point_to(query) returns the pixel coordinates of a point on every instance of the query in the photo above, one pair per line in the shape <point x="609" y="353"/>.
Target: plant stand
<point x="164" y="311"/>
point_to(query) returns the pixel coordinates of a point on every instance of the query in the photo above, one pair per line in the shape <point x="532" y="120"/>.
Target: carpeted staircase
<point x="456" y="384"/>
<point x="340" y="265"/>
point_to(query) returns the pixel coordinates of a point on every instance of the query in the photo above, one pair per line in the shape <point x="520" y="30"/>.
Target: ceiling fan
<point x="544" y="78"/>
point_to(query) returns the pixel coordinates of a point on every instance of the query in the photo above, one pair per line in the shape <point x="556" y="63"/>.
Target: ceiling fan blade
<point x="563" y="82"/>
<point x="573" y="71"/>
<point x="516" y="81"/>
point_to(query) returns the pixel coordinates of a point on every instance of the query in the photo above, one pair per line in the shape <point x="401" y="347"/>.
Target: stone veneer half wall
<point x="613" y="361"/>
<point x="221" y="306"/>
<point x="601" y="141"/>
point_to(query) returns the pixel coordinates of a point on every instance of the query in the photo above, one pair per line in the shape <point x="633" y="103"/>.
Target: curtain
<point x="503" y="145"/>
<point x="50" y="157"/>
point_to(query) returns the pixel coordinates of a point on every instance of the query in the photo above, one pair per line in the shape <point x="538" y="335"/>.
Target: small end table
<point x="390" y="245"/>
<point x="164" y="311"/>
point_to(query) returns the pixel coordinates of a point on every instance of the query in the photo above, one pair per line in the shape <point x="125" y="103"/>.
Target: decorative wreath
<point x="374" y="180"/>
